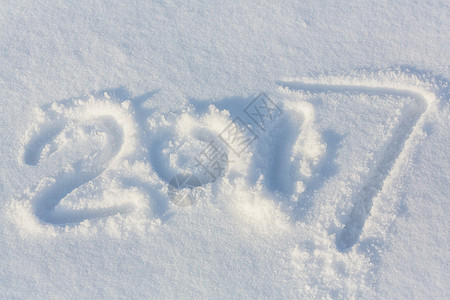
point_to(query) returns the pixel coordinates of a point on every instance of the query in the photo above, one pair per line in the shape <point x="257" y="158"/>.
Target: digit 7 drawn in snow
<point x="392" y="151"/>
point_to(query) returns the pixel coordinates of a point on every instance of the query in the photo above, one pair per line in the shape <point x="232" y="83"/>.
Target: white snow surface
<point x="332" y="119"/>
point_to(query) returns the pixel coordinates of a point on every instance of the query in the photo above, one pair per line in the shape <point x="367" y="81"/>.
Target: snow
<point x="327" y="123"/>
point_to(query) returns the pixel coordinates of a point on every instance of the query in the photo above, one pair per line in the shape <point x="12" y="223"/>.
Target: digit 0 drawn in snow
<point x="185" y="150"/>
<point x="392" y="152"/>
<point x="88" y="139"/>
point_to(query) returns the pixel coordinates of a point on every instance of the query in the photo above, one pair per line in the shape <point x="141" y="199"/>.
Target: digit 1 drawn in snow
<point x="391" y="152"/>
<point x="90" y="138"/>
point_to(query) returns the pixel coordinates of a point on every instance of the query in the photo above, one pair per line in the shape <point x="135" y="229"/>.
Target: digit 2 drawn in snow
<point x="95" y="135"/>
